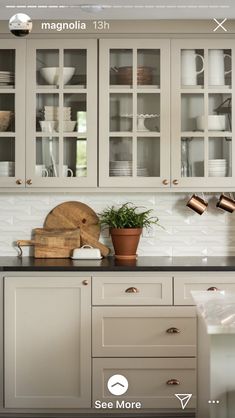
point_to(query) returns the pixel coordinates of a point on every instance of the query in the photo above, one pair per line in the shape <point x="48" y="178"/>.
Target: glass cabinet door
<point x="134" y="113"/>
<point x="12" y="100"/>
<point x="61" y="127"/>
<point x="202" y="113"/>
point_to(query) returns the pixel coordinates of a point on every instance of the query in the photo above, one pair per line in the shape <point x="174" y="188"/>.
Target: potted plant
<point x="126" y="223"/>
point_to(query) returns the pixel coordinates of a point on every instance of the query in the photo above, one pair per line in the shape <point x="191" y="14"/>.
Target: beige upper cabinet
<point x="47" y="342"/>
<point x="12" y="124"/>
<point x="202" y="113"/>
<point x="61" y="147"/>
<point x="134" y="111"/>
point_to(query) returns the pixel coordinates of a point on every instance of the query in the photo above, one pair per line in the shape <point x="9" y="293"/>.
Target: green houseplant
<point x="126" y="223"/>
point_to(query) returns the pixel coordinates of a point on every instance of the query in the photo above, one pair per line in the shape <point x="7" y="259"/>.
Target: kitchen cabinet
<point x="137" y="118"/>
<point x="202" y="113"/>
<point x="149" y="380"/>
<point x="61" y="145"/>
<point x="185" y="283"/>
<point x="165" y="114"/>
<point x="134" y="113"/>
<point x="47" y="342"/>
<point x="12" y="108"/>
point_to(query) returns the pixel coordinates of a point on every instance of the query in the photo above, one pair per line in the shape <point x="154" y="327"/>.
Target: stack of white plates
<point x="7" y="169"/>
<point x="53" y="113"/>
<point x="120" y="168"/>
<point x="124" y="168"/>
<point x="217" y="168"/>
<point x="6" y="77"/>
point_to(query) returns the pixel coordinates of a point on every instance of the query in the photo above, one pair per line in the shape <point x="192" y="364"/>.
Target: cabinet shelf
<point x="201" y="134"/>
<point x="7" y="134"/>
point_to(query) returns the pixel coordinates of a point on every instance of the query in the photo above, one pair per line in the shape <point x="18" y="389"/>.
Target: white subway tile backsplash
<point x="185" y="232"/>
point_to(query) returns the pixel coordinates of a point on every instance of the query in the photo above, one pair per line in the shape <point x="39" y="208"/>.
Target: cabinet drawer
<point x="143" y="332"/>
<point x="186" y="283"/>
<point x="147" y="380"/>
<point x="129" y="290"/>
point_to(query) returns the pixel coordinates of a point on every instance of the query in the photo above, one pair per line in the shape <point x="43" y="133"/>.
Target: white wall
<point x="185" y="233"/>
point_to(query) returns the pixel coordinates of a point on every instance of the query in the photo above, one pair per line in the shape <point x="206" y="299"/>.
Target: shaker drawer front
<point x="143" y="332"/>
<point x="128" y="290"/>
<point x="184" y="284"/>
<point x="150" y="380"/>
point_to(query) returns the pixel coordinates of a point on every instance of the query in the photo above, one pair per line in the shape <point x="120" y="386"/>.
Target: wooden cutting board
<point x="77" y="215"/>
<point x="72" y="215"/>
<point x="52" y="244"/>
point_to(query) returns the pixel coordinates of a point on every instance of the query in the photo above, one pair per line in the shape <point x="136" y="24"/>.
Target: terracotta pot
<point x="125" y="242"/>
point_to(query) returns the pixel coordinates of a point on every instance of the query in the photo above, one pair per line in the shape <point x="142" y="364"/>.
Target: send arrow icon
<point x="184" y="398"/>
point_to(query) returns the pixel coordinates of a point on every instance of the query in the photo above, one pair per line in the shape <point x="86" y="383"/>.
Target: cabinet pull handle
<point x="175" y="182"/>
<point x="165" y="182"/>
<point x="173" y="330"/>
<point x="132" y="290"/>
<point x="19" y="181"/>
<point x="85" y="282"/>
<point x="213" y="289"/>
<point x="173" y="382"/>
<point x="29" y="181"/>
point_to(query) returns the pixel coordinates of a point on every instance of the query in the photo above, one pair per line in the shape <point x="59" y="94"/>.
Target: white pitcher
<point x="216" y="67"/>
<point x="189" y="67"/>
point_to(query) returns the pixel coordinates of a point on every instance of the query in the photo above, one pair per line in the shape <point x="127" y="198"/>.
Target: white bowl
<point x="51" y="74"/>
<point x="69" y="125"/>
<point x="215" y="123"/>
<point x="48" y="125"/>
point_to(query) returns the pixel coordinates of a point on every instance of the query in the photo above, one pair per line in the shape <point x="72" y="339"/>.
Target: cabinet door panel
<point x="185" y="283"/>
<point x="143" y="332"/>
<point x="12" y="105"/>
<point x="148" y="290"/>
<point x="134" y="113"/>
<point x="202" y="113"/>
<point x="62" y="118"/>
<point x="47" y="342"/>
<point x="147" y="380"/>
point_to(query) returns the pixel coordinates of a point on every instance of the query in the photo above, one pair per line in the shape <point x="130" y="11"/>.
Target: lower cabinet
<point x="47" y="342"/>
<point x="152" y="381"/>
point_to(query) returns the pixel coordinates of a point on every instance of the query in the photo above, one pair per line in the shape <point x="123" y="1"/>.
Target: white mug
<point x="41" y="171"/>
<point x="189" y="67"/>
<point x="216" y="71"/>
<point x="67" y="172"/>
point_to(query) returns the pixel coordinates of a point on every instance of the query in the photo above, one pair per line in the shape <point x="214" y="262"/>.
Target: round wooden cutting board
<point x="71" y="215"/>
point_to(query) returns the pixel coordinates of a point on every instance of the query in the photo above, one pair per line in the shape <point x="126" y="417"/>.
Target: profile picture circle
<point x="20" y="24"/>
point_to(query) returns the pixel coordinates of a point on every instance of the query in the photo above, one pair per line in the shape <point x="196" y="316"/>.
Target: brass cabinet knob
<point x="213" y="289"/>
<point x="175" y="182"/>
<point x="173" y="382"/>
<point x="132" y="290"/>
<point x="19" y="181"/>
<point x="85" y="282"/>
<point x="29" y="181"/>
<point x="165" y="182"/>
<point x="173" y="330"/>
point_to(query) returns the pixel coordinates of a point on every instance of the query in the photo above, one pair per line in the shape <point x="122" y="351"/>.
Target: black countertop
<point x="110" y="264"/>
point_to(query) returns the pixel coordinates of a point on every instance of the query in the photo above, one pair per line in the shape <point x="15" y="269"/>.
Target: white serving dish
<point x="215" y="123"/>
<point x="51" y="74"/>
<point x="86" y="252"/>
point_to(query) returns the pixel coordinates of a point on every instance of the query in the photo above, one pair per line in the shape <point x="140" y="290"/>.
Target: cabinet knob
<point x="175" y="182"/>
<point x="132" y="290"/>
<point x="213" y="289"/>
<point x="173" y="382"/>
<point x="165" y="182"/>
<point x="173" y="330"/>
<point x="85" y="282"/>
<point x="19" y="181"/>
<point x="29" y="181"/>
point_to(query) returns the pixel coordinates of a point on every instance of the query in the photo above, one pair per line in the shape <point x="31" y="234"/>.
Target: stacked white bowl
<point x="217" y="168"/>
<point x="7" y="169"/>
<point x="52" y="113"/>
